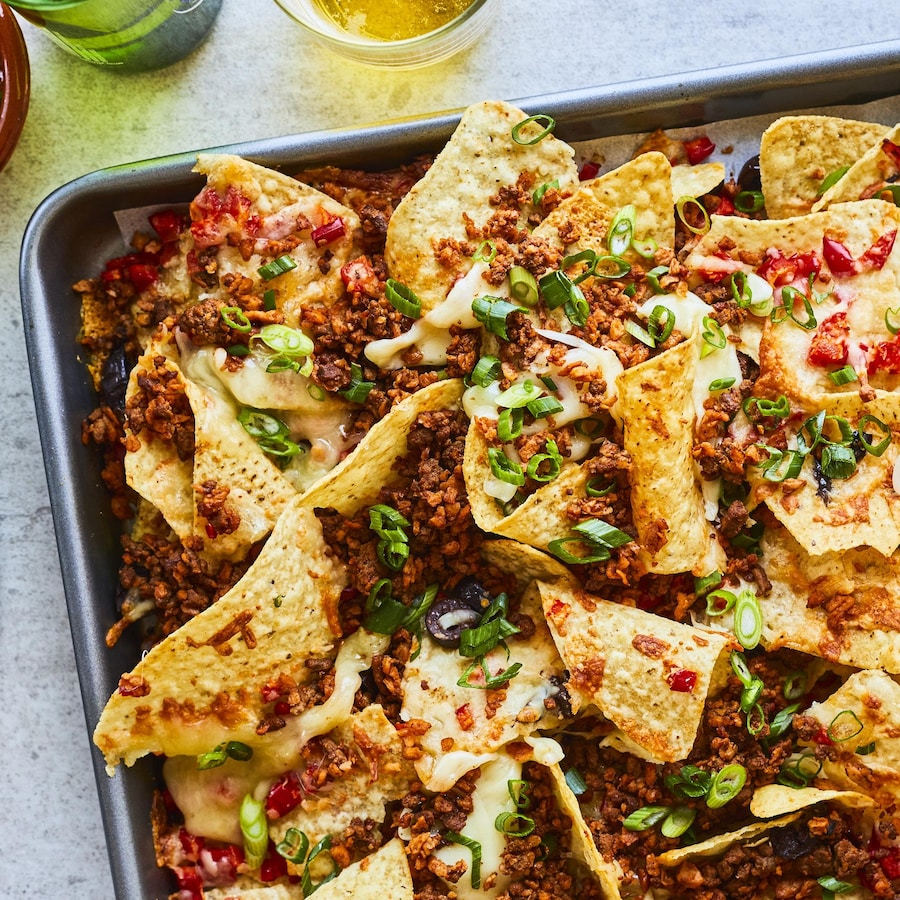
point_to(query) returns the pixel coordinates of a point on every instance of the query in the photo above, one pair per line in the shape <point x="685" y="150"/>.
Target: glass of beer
<point x="129" y="35"/>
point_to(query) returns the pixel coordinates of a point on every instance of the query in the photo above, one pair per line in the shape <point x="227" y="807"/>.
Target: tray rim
<point x="689" y="98"/>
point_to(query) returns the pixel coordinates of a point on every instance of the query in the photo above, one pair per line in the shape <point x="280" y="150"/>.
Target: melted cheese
<point x="430" y="335"/>
<point x="491" y="797"/>
<point x="453" y="765"/>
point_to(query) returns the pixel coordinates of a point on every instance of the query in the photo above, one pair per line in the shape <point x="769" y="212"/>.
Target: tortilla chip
<point x="470" y="723"/>
<point x="384" y="875"/>
<point x="525" y="563"/>
<point x="201" y="684"/>
<point x="695" y="181"/>
<point x="227" y="457"/>
<point x="669" y="512"/>
<point x="797" y="153"/>
<point x="620" y="659"/>
<point x="863" y="510"/>
<point x="358" y="479"/>
<point x="378" y="774"/>
<point x="645" y="182"/>
<point x="283" y="207"/>
<point x="152" y="466"/>
<point x="842" y="607"/>
<point x="870" y="172"/>
<point x="777" y="799"/>
<point x="864" y="712"/>
<point x="864" y="298"/>
<point x="267" y="892"/>
<point x="721" y="842"/>
<point x="480" y="158"/>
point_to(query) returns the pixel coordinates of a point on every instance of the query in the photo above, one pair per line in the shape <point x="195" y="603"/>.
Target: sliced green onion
<point x="678" y="821"/>
<point x="844" y="726"/>
<point x="555" y="287"/>
<point x="393" y="554"/>
<point x="810" y="433"/>
<point x="575" y="781"/>
<point x="639" y="333"/>
<point x="686" y="203"/>
<point x="238" y="350"/>
<point x="865" y="749"/>
<point x="613" y="267"/>
<point x="475" y="847"/>
<point x="541" y="407"/>
<point x="794" y="686"/>
<point x="548" y="383"/>
<point x="316" y="391"/>
<point x="294" y="847"/>
<point x="750" y="694"/>
<point x="645" y="818"/>
<point x="789" y="296"/>
<point x="510" y="423"/>
<point x="748" y="619"/>
<point x="514" y="824"/>
<point x="358" y="390"/>
<point x="284" y="339"/>
<point x="597" y="552"/>
<point x="542" y="189"/>
<point x="691" y="782"/>
<point x="653" y="277"/>
<point x="486" y="252"/>
<point x="212" y="759"/>
<point x="756" y="720"/>
<point x="519" y="791"/>
<point x="720" y="602"/>
<point x="504" y="468"/>
<point x="721" y="384"/>
<point x="523" y="286"/>
<point x="590" y="427"/>
<point x="783" y="720"/>
<point x="875" y="449"/>
<point x="600" y="486"/>
<point x="844" y="375"/>
<point x="596" y="531"/>
<point x="749" y="201"/>
<point x="781" y="465"/>
<point x="830" y="883"/>
<point x="892" y="319"/>
<point x="552" y="458"/>
<point x="621" y="230"/>
<point x="831" y="179"/>
<point x="547" y="123"/>
<point x="519" y="395"/>
<point x="740" y="291"/>
<point x="726" y="785"/>
<point x="838" y="461"/>
<point x="704" y="583"/>
<point x="269" y="304"/>
<point x="799" y="772"/>
<point x="740" y="668"/>
<point x="491" y="682"/>
<point x="306" y="883"/>
<point x="587" y="256"/>
<point x="255" y="831"/>
<point x="645" y="247"/>
<point x="403" y="299"/>
<point x="493" y="312"/>
<point x="713" y="337"/>
<point x="486" y="371"/>
<point x="276" y="267"/>
<point x="661" y="323"/>
<point x="234" y="317"/>
<point x="261" y="425"/>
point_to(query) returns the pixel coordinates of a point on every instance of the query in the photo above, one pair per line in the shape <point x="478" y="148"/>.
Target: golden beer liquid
<point x="391" y="20"/>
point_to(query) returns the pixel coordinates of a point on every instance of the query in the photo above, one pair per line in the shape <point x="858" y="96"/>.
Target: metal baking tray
<point x="74" y="231"/>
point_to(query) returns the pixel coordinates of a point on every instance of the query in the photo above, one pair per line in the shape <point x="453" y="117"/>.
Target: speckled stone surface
<point x="259" y="76"/>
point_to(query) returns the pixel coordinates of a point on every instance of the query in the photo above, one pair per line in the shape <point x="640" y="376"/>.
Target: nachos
<point x="499" y="528"/>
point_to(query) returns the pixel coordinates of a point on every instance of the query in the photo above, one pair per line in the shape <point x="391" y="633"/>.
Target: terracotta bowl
<point x="15" y="83"/>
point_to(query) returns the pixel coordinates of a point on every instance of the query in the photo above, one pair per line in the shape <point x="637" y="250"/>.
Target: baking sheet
<point x="75" y="230"/>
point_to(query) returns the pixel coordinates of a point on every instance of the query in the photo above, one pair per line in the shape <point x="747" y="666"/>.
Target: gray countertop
<point x="259" y="76"/>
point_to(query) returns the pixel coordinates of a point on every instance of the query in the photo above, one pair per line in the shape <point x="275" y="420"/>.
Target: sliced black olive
<point x="448" y="617"/>
<point x="561" y="696"/>
<point x="793" y="842"/>
<point x="823" y="482"/>
<point x="750" y="179"/>
<point x="472" y="593"/>
<point x="114" y="380"/>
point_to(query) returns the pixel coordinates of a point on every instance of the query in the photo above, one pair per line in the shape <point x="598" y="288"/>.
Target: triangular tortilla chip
<point x="634" y="667"/>
<point x="479" y="159"/>
<point x="384" y="875"/>
<point x="657" y="409"/>
<point x="797" y="153"/>
<point x="869" y="173"/>
<point x="259" y="205"/>
<point x="696" y="180"/>
<point x="843" y="607"/>
<point x="777" y="799"/>
<point x="201" y="685"/>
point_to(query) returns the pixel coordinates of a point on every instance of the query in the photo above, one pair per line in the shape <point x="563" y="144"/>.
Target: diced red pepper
<point x="589" y="170"/>
<point x="190" y="884"/>
<point x="876" y="256"/>
<point x="838" y="257"/>
<point x="829" y="343"/>
<point x="698" y="149"/>
<point x="211" y="532"/>
<point x="191" y="844"/>
<point x="274" y="866"/>
<point x="282" y="708"/>
<point x="285" y="795"/>
<point x="143" y="276"/>
<point x="886" y="358"/>
<point x="682" y="680"/>
<point x="842" y="263"/>
<point x="557" y="608"/>
<point x="329" y="232"/>
<point x="725" y="207"/>
<point x="358" y="275"/>
<point x="821" y="737"/>
<point x="168" y="224"/>
<point x="890" y="865"/>
<point x="779" y="269"/>
<point x="890" y="149"/>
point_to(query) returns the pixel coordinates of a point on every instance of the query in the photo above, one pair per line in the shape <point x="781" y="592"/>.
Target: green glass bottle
<point x="130" y="35"/>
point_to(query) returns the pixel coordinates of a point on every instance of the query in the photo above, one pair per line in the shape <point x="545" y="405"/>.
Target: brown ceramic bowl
<point x="15" y="82"/>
